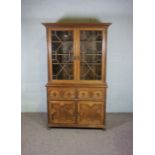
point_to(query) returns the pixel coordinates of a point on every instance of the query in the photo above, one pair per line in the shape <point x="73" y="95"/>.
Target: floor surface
<point x="37" y="139"/>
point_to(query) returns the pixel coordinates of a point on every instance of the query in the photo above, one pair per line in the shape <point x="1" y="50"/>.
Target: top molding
<point x="76" y="25"/>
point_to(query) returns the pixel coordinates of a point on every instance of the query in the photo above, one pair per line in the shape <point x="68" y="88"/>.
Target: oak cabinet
<point x="76" y="88"/>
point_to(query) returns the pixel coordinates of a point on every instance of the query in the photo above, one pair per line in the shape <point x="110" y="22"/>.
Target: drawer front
<point x="62" y="112"/>
<point x="91" y="93"/>
<point x="61" y="93"/>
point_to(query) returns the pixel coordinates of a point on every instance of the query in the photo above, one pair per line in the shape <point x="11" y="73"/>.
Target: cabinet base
<point x="76" y="126"/>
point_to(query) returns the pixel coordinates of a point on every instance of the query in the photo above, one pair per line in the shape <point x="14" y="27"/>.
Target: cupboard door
<point x="62" y="112"/>
<point x="62" y="53"/>
<point x="90" y="113"/>
<point x="90" y="54"/>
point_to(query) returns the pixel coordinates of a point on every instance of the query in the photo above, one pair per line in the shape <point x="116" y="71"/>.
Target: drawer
<point x="91" y="93"/>
<point x="61" y="93"/>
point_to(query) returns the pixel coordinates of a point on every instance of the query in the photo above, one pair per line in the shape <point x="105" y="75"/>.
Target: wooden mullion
<point x="74" y="54"/>
<point x="78" y="53"/>
<point x="76" y="50"/>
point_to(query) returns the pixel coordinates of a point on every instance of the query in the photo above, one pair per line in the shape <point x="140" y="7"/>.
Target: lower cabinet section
<point x="76" y="114"/>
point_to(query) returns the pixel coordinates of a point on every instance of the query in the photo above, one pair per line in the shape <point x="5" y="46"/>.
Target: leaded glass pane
<point x="62" y="55"/>
<point x="91" y="55"/>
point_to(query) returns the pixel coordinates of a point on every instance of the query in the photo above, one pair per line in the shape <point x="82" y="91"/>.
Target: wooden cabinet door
<point x="90" y="113"/>
<point x="62" y="112"/>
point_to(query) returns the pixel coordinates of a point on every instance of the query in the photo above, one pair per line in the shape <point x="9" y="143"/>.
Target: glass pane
<point x="91" y="55"/>
<point x="62" y="55"/>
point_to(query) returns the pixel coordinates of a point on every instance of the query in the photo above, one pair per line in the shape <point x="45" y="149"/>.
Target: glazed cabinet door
<point x="61" y="54"/>
<point x="91" y="50"/>
<point x="90" y="113"/>
<point x="61" y="112"/>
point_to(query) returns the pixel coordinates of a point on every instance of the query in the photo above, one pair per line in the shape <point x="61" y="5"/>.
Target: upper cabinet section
<point x="76" y="52"/>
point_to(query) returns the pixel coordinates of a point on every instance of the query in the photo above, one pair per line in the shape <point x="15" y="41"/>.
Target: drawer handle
<point x="54" y="94"/>
<point x="97" y="94"/>
<point x="69" y="94"/>
<point x="83" y="94"/>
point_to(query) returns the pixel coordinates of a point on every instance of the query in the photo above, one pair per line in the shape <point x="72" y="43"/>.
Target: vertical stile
<point x="49" y="40"/>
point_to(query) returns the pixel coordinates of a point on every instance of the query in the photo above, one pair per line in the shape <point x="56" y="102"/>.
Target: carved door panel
<point x="90" y="113"/>
<point x="62" y="112"/>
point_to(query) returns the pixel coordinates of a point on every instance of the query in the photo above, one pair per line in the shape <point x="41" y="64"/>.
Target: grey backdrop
<point x="34" y="52"/>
